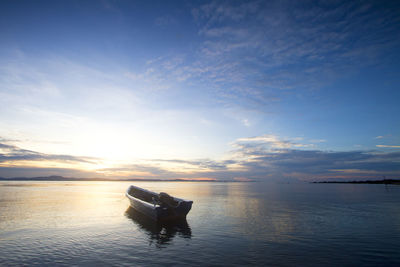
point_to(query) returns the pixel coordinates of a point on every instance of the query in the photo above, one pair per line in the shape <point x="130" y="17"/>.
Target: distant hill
<point x="61" y="178"/>
<point x="41" y="178"/>
<point x="384" y="181"/>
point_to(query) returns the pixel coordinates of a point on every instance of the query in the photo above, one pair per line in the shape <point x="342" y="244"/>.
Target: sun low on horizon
<point x="207" y="90"/>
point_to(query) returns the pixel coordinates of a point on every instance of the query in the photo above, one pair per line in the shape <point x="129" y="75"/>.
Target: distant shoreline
<point x="71" y="179"/>
<point x="384" y="181"/>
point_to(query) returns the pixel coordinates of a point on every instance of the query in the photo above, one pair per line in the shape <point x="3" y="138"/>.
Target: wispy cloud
<point x="135" y="90"/>
<point x="259" y="160"/>
<point x="201" y="164"/>
<point x="251" y="144"/>
<point x="255" y="158"/>
<point x="165" y="21"/>
<point x="388" y="146"/>
<point x="286" y="45"/>
<point x="11" y="154"/>
<point x="56" y="83"/>
<point x="253" y="54"/>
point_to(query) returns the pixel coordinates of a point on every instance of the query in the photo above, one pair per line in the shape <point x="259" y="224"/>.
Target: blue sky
<point x="200" y="89"/>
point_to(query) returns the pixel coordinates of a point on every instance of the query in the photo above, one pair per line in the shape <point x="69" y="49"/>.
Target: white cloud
<point x="246" y="122"/>
<point x="267" y="142"/>
<point x="267" y="47"/>
<point x="257" y="164"/>
<point x="317" y="140"/>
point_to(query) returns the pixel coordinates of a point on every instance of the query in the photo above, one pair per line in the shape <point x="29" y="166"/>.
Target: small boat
<point x="158" y="206"/>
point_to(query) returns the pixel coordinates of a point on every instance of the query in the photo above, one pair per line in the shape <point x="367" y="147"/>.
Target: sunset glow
<point x="237" y="90"/>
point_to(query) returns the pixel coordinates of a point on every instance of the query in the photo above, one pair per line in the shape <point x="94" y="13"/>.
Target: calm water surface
<point x="90" y="223"/>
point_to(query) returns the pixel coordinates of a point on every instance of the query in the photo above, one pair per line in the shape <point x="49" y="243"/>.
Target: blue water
<point x="91" y="224"/>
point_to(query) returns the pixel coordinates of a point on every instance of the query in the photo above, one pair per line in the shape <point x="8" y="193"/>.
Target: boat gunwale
<point x="152" y="206"/>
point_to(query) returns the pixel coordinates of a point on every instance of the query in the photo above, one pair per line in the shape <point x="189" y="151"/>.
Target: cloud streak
<point x="255" y="158"/>
<point x="269" y="156"/>
<point x="253" y="54"/>
<point x="11" y="153"/>
<point x="388" y="146"/>
<point x="166" y="94"/>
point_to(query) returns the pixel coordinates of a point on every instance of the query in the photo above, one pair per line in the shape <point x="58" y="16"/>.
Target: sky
<point x="221" y="90"/>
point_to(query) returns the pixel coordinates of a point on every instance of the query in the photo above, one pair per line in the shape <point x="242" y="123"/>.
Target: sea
<point x="46" y="223"/>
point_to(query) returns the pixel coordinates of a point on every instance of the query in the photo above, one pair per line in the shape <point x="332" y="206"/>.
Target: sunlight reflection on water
<point x="90" y="223"/>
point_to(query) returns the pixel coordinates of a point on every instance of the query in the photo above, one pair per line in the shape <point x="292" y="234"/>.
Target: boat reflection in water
<point x="159" y="233"/>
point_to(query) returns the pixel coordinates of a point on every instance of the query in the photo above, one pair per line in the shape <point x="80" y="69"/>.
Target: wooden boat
<point x="158" y="206"/>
